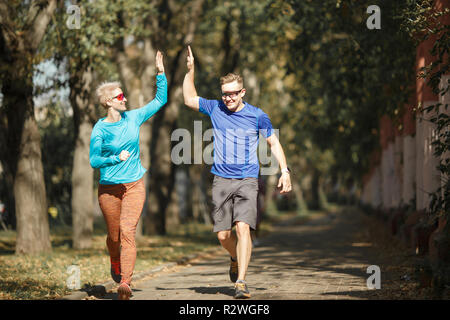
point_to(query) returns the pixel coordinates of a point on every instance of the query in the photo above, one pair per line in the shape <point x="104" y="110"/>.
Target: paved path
<point x="316" y="260"/>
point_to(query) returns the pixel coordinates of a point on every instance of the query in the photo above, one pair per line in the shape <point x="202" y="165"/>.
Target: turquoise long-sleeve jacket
<point x="109" y="139"/>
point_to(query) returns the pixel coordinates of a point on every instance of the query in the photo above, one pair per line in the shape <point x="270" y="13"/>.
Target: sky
<point x="44" y="76"/>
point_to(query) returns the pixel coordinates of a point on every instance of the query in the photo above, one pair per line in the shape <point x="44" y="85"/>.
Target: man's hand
<point x="285" y="183"/>
<point x="190" y="96"/>
<point x="190" y="59"/>
<point x="159" y="62"/>
<point x="277" y="151"/>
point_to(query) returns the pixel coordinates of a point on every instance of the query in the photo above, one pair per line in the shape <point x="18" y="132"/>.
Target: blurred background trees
<point x="23" y="25"/>
<point x="314" y="67"/>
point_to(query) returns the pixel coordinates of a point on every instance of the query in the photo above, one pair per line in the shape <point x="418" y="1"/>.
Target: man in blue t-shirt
<point x="237" y="125"/>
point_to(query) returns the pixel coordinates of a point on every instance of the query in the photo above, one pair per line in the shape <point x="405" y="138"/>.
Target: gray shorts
<point x="234" y="200"/>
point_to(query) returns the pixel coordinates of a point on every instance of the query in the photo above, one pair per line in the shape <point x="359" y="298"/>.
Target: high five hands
<point x="159" y="62"/>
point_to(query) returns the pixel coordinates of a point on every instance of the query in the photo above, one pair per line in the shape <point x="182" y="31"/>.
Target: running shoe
<point x="233" y="270"/>
<point x="241" y="290"/>
<point x="115" y="271"/>
<point x="124" y="291"/>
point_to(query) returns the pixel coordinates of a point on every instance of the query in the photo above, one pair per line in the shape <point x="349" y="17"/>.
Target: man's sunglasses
<point x="119" y="97"/>
<point x="232" y="95"/>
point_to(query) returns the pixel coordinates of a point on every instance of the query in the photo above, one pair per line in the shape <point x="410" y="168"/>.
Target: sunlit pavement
<point x="317" y="260"/>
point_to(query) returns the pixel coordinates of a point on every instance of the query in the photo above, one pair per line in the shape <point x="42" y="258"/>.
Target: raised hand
<point x="190" y="59"/>
<point x="159" y="62"/>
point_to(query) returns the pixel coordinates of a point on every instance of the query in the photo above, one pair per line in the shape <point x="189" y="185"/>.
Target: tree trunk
<point x="163" y="211"/>
<point x="205" y="199"/>
<point x="200" y="209"/>
<point x="22" y="157"/>
<point x="302" y="208"/>
<point x="270" y="202"/>
<point x="173" y="208"/>
<point x="19" y="130"/>
<point x="33" y="234"/>
<point x="161" y="172"/>
<point x="82" y="173"/>
<point x="322" y="196"/>
<point x="196" y="176"/>
<point x="318" y="201"/>
<point x="315" y="199"/>
<point x="82" y="190"/>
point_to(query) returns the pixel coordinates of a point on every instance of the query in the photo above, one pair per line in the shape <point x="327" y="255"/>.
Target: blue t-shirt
<point x="109" y="139"/>
<point x="236" y="137"/>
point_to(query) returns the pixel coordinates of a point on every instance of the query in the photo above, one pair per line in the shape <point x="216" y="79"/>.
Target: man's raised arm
<point x="189" y="93"/>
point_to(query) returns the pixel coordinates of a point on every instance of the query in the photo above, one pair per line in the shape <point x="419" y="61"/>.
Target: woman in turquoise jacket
<point x="114" y="149"/>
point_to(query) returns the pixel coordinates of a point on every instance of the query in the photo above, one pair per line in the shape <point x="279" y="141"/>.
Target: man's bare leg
<point x="228" y="241"/>
<point x="244" y="248"/>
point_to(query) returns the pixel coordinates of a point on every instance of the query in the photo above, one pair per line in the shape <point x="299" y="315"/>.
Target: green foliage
<point x="348" y="75"/>
<point x="88" y="45"/>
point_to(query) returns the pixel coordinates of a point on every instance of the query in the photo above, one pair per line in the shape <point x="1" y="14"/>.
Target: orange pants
<point x="122" y="206"/>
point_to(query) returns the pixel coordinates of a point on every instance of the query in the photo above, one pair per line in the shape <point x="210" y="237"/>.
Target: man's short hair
<point x="230" y="78"/>
<point x="104" y="91"/>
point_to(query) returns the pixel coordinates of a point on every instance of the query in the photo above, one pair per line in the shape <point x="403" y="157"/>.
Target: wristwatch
<point x="287" y="170"/>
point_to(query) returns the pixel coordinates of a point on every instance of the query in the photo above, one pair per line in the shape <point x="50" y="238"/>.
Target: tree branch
<point x="6" y="25"/>
<point x="4" y="14"/>
<point x="38" y="19"/>
<point x="196" y="10"/>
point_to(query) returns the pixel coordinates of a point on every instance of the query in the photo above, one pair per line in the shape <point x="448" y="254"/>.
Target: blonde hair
<point x="230" y="78"/>
<point x="104" y="91"/>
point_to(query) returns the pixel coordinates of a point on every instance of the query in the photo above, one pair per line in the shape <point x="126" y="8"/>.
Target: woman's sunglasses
<point x="119" y="97"/>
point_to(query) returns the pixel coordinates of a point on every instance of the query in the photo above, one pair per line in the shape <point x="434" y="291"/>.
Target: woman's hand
<point x="159" y="62"/>
<point x="124" y="155"/>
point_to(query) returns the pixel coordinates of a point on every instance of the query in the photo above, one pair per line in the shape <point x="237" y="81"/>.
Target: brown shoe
<point x="124" y="291"/>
